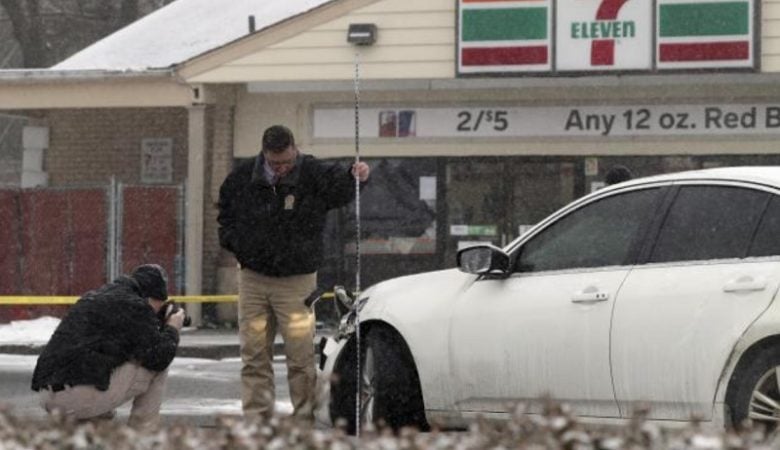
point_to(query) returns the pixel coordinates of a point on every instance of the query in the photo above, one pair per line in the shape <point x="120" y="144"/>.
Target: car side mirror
<point x="483" y="259"/>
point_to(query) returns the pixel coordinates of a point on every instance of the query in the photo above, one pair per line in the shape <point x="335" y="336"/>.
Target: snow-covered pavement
<point x="198" y="389"/>
<point x="22" y="332"/>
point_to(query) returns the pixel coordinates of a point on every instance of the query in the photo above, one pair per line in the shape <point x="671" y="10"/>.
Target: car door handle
<point x="590" y="295"/>
<point x="745" y="283"/>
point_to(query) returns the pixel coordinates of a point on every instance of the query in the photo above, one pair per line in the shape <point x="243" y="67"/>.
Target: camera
<point x="168" y="308"/>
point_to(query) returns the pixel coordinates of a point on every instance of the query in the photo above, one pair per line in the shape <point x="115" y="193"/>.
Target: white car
<point x="657" y="292"/>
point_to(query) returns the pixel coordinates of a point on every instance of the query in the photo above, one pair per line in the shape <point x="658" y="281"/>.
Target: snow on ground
<point x="17" y="363"/>
<point x="20" y="332"/>
<point x="184" y="370"/>
<point x="189" y="406"/>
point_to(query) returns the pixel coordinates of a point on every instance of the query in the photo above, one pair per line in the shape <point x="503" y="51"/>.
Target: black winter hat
<point x="617" y="174"/>
<point x="152" y="280"/>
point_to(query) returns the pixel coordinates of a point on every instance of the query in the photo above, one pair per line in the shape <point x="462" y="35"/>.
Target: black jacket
<point x="103" y="330"/>
<point x="277" y="230"/>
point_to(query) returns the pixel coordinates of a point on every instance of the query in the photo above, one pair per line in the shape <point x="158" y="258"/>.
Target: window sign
<point x="596" y="185"/>
<point x="523" y="228"/>
<point x="591" y="167"/>
<point x="393" y="123"/>
<point x="427" y="188"/>
<point x="694" y="34"/>
<point x="604" y="35"/>
<point x="473" y="230"/>
<point x="505" y="36"/>
<point x="492" y="121"/>
<point x="157" y="160"/>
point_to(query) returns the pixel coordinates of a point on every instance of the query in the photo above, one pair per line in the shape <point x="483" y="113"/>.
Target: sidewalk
<point x="214" y="344"/>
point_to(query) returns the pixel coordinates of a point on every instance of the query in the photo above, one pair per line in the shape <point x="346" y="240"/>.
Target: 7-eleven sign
<point x="601" y="35"/>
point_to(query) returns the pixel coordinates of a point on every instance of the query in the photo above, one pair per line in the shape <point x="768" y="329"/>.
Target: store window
<point x="397" y="225"/>
<point x="497" y="199"/>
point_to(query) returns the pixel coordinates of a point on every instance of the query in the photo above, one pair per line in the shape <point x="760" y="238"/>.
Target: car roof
<point x="763" y="175"/>
<point x="767" y="175"/>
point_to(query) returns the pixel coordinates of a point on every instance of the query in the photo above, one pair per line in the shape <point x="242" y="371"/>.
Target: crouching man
<point x="111" y="348"/>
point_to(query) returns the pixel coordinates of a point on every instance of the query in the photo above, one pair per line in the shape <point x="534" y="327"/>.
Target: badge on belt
<point x="289" y="201"/>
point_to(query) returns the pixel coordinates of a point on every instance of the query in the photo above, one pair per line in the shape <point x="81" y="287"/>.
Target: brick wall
<point x="88" y="146"/>
<point x="11" y="149"/>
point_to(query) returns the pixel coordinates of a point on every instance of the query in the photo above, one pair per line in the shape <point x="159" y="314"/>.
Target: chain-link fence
<point x="66" y="241"/>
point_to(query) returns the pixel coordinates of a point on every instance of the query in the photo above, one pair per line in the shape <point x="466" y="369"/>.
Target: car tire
<point x="389" y="385"/>
<point x="754" y="390"/>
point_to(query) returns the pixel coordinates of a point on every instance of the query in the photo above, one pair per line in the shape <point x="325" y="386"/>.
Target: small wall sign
<point x="157" y="160"/>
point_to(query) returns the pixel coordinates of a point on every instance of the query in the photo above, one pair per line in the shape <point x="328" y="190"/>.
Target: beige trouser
<point x="128" y="382"/>
<point x="265" y="303"/>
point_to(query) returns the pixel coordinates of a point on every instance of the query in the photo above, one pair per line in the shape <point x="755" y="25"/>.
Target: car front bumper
<point x="329" y="354"/>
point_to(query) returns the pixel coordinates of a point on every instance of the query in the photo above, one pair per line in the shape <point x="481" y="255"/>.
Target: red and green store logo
<point x="603" y="35"/>
<point x="505" y="35"/>
<point x="704" y="34"/>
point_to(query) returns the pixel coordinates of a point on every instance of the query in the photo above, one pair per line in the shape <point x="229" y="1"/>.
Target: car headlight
<point x="347" y="326"/>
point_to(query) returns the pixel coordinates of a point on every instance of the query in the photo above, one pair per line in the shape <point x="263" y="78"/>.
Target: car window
<point x="709" y="222"/>
<point x="766" y="242"/>
<point x="598" y="234"/>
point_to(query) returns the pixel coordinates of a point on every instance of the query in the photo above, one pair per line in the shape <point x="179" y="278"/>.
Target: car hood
<point x="411" y="299"/>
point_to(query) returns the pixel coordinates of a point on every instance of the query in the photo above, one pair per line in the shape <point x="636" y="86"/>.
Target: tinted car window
<point x="598" y="234"/>
<point x="767" y="240"/>
<point x="709" y="222"/>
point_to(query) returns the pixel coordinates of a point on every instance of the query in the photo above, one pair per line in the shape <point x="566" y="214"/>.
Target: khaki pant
<point x="265" y="304"/>
<point x="128" y="382"/>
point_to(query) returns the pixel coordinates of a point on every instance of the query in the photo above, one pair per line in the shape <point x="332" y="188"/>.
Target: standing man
<point x="271" y="215"/>
<point x="111" y="348"/>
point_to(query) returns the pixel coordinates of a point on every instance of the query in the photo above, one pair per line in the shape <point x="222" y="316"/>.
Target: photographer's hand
<point x="176" y="320"/>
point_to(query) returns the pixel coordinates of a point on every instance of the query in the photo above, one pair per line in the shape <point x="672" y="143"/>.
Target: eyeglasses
<point x="277" y="163"/>
<point x="280" y="163"/>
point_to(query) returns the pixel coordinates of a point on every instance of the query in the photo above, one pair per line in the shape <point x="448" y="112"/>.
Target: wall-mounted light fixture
<point x="361" y="33"/>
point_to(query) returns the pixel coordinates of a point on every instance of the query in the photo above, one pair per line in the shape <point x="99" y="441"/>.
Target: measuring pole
<point x="356" y="294"/>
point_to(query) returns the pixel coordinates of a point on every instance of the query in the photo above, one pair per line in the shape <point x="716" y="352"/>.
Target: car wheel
<point x="754" y="392"/>
<point x="389" y="386"/>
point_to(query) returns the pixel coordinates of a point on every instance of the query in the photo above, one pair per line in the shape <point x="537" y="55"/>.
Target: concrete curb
<point x="207" y="351"/>
<point x="219" y="351"/>
<point x="21" y="349"/>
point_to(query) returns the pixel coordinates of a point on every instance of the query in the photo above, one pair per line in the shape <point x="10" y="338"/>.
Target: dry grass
<point x="557" y="429"/>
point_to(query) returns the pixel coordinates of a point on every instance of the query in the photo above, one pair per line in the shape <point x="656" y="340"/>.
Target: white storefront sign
<point x="557" y="121"/>
<point x="604" y="35"/>
<point x="561" y="36"/>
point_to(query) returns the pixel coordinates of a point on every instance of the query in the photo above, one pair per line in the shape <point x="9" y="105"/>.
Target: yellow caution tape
<point x="69" y="300"/>
<point x="204" y="298"/>
<point x="37" y="300"/>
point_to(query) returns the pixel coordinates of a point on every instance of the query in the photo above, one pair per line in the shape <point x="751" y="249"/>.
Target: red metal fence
<point x="151" y="219"/>
<point x="58" y="241"/>
<point x="10" y="256"/>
